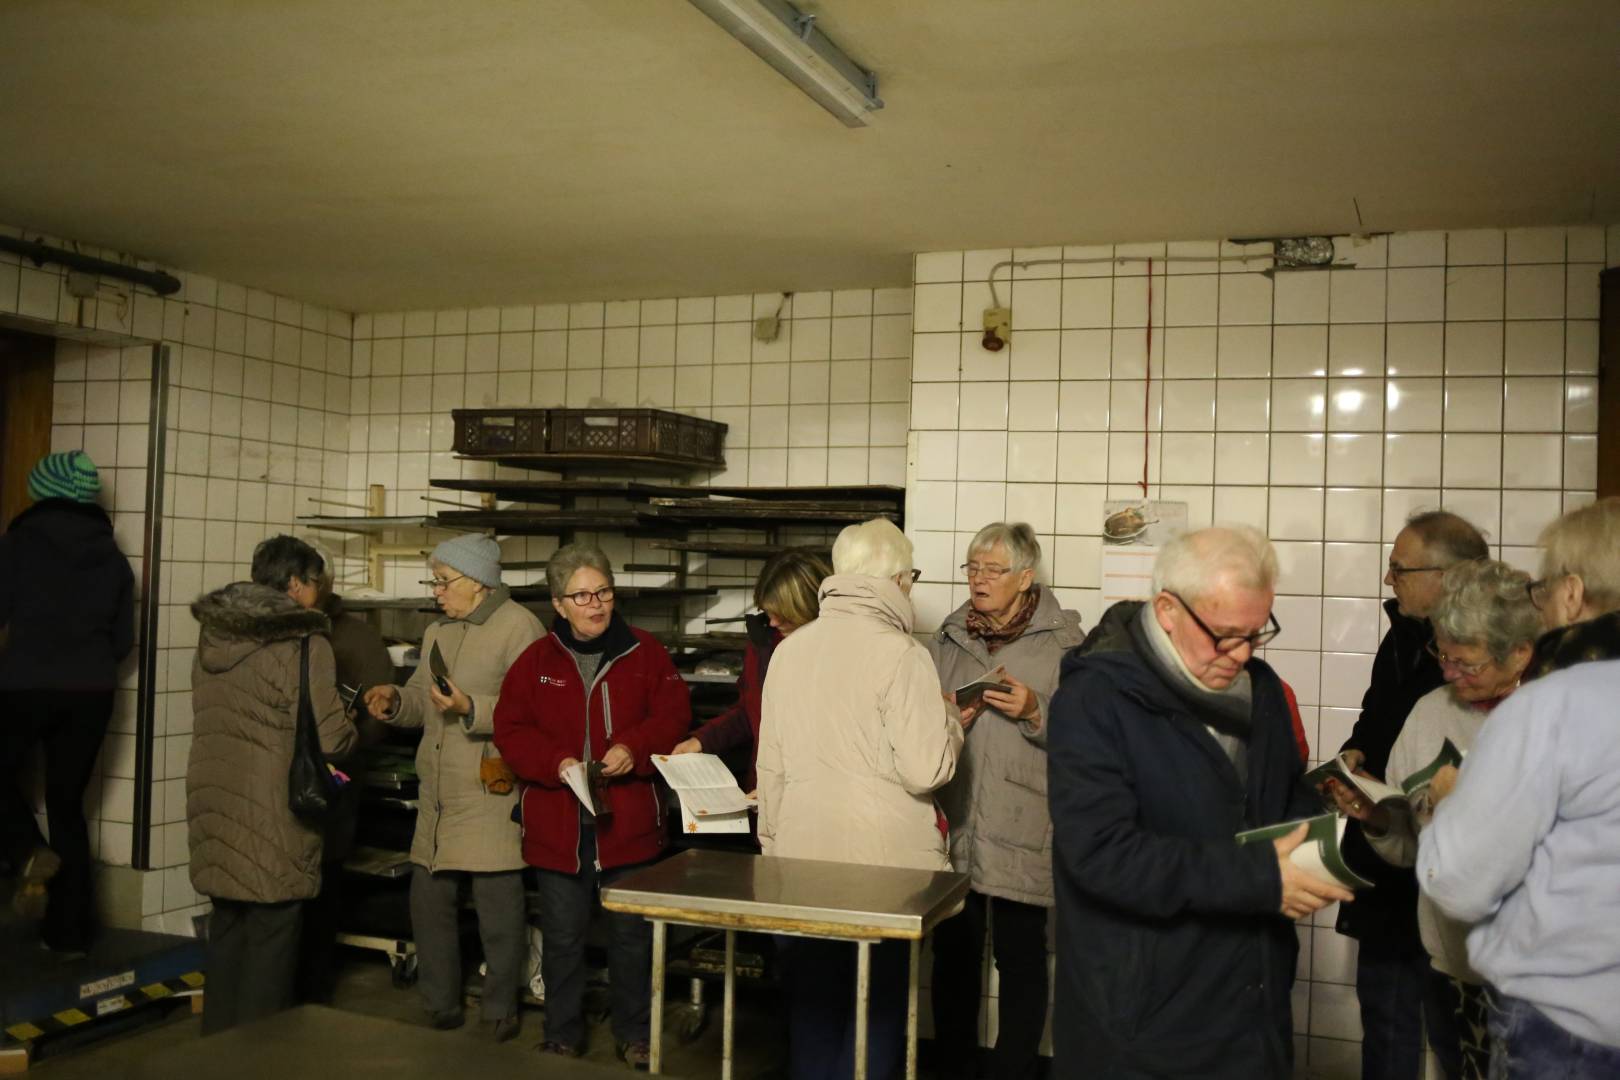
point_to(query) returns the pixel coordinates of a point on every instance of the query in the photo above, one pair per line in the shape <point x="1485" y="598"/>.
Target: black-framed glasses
<point x="1433" y="649"/>
<point x="1226" y="643"/>
<point x="436" y="584"/>
<point x="916" y="575"/>
<point x="1398" y="572"/>
<point x="1540" y="590"/>
<point x="583" y="597"/>
<point x="971" y="570"/>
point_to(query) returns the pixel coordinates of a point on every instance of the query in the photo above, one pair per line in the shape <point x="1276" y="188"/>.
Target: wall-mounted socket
<point x="997" y="328"/>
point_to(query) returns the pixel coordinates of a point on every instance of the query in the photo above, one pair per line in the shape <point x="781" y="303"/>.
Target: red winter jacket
<point x="637" y="699"/>
<point x="739" y="725"/>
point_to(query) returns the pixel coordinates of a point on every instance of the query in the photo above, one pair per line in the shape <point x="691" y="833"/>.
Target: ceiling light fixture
<point x="787" y="39"/>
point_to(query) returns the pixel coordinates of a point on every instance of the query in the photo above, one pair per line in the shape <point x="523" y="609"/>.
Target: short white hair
<point x="873" y="548"/>
<point x="1023" y="550"/>
<point x="1194" y="562"/>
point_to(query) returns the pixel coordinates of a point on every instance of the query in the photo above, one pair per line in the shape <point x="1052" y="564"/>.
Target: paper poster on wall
<point x="1133" y="534"/>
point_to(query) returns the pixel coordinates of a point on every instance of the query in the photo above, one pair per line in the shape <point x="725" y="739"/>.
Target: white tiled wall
<point x="257" y="423"/>
<point x="824" y="403"/>
<point x="1422" y="370"/>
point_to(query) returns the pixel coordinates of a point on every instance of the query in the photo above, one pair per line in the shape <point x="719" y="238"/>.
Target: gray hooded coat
<point x="245" y="843"/>
<point x="1001" y="830"/>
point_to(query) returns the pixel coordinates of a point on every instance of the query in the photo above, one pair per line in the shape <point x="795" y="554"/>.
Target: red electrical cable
<point x="1147" y="389"/>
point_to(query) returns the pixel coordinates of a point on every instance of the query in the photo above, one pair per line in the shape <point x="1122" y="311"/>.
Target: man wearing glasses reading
<point x="1167" y="737"/>
<point x="1391" y="963"/>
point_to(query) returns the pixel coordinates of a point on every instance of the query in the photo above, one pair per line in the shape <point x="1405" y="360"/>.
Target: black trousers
<point x="1018" y="940"/>
<point x="821" y="1008"/>
<point x="71" y="725"/>
<point x="567" y="902"/>
<point x="252" y="961"/>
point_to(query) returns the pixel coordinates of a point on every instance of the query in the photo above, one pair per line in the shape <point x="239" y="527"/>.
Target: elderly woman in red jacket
<point x="594" y="690"/>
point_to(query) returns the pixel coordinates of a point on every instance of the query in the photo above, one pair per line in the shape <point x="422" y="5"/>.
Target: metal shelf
<point x="369" y="526"/>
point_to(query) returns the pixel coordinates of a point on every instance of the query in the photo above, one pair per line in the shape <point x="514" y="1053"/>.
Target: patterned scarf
<point x="979" y="625"/>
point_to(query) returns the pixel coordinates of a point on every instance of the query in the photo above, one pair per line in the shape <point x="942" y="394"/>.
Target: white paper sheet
<point x="578" y="782"/>
<point x="704" y="784"/>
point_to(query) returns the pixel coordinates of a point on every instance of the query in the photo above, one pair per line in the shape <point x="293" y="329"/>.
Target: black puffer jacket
<point x="1172" y="957"/>
<point x="66" y="599"/>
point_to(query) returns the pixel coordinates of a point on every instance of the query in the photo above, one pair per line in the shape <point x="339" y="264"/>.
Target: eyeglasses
<point x="971" y="570"/>
<point x="584" y="597"/>
<point x="916" y="575"/>
<point x="1227" y="643"/>
<point x="1397" y="572"/>
<point x="439" y="584"/>
<point x="1448" y="662"/>
<point x="1540" y="590"/>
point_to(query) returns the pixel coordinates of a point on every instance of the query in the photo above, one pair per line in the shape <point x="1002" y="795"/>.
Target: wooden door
<point x="1608" y="479"/>
<point x="27" y="373"/>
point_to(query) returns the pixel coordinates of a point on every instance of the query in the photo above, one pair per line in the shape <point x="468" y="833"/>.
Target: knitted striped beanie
<point x="69" y="475"/>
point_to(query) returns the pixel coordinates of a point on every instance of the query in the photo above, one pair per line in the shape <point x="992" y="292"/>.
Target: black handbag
<point x="311" y="788"/>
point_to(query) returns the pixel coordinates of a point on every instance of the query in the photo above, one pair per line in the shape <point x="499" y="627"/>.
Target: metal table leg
<point x="863" y="992"/>
<point x="655" y="1049"/>
<point x="729" y="1012"/>
<point x="911" y="1010"/>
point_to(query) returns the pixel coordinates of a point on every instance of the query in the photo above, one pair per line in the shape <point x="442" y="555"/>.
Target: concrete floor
<point x="364" y="987"/>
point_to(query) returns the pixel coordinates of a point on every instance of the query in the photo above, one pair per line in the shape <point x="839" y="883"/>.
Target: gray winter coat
<point x="245" y="843"/>
<point x="1001" y="831"/>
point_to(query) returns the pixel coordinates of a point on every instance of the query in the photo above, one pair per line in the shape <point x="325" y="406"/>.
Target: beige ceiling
<point x="384" y="154"/>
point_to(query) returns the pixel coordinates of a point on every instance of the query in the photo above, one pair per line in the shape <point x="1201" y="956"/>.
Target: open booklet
<point x="970" y="694"/>
<point x="1411" y="789"/>
<point x="1319" y="855"/>
<point x="711" y="801"/>
<point x="584" y="779"/>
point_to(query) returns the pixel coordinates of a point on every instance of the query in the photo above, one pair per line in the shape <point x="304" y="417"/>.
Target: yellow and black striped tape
<point x="67" y="1019"/>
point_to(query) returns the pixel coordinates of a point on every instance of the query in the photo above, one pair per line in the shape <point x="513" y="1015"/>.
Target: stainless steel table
<point x="802" y="897"/>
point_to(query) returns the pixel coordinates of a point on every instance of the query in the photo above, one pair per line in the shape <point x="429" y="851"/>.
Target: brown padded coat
<point x="245" y="843"/>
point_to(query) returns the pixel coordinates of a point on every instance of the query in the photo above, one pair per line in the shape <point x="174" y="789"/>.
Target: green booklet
<point x="1377" y="791"/>
<point x="1319" y="855"/>
<point x="1419" y="781"/>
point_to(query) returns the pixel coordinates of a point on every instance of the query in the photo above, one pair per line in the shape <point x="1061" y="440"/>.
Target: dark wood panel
<point x="1608" y="478"/>
<point x="27" y="378"/>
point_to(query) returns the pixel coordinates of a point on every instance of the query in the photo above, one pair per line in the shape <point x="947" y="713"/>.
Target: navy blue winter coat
<point x="1173" y="959"/>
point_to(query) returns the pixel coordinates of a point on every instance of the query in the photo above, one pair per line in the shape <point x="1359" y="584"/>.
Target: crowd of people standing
<point x="1091" y="794"/>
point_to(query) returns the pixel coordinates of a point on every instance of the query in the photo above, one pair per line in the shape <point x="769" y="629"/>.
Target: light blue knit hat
<point x="68" y="475"/>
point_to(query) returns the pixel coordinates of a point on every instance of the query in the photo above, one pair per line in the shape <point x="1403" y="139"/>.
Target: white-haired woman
<point x="1525" y="845"/>
<point x="1484" y="630"/>
<point x="1001" y="831"/>
<point x="854" y="739"/>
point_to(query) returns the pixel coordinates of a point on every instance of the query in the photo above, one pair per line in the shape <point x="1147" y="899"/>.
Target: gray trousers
<point x="252" y="958"/>
<point x="435" y="908"/>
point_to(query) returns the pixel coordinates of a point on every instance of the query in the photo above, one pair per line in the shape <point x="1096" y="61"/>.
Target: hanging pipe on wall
<point x="40" y="253"/>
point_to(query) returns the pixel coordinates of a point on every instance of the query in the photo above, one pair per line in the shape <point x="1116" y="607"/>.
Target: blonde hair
<point x="873" y="548"/>
<point x="1586" y="543"/>
<point x="1192" y="562"/>
<point x="789" y="585"/>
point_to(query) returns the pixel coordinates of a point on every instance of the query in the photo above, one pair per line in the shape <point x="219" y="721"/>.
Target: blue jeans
<point x="1525" y="1045"/>
<point x="1390" y="980"/>
<point x="821" y="1008"/>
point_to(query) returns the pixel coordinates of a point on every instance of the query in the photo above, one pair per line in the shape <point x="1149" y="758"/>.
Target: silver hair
<point x="875" y="548"/>
<point x="1023" y="550"/>
<point x="571" y="558"/>
<point x="1487" y="603"/>
<point x="1193" y="562"/>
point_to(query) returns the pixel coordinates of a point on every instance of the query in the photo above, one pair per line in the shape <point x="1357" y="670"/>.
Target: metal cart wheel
<point x="403" y="970"/>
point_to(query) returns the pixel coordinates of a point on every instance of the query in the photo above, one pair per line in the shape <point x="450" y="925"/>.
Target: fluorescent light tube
<point x="787" y="39"/>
